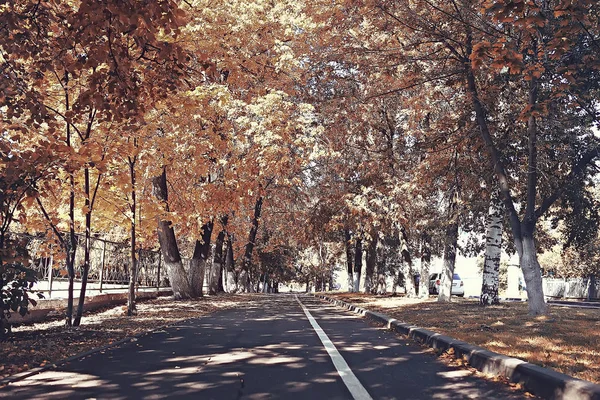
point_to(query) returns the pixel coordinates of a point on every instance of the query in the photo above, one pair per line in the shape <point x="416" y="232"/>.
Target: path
<point x="267" y="349"/>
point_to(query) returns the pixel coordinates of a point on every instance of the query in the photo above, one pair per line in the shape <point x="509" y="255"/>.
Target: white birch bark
<point x="493" y="251"/>
<point x="425" y="266"/>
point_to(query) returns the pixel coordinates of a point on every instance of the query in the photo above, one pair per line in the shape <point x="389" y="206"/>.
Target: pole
<point x="158" y="272"/>
<point x="102" y="264"/>
<point x="50" y="277"/>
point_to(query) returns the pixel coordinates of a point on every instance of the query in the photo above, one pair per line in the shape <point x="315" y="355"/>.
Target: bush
<point x="16" y="282"/>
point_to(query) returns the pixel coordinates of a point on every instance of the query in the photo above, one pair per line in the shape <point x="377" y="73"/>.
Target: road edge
<point x="540" y="381"/>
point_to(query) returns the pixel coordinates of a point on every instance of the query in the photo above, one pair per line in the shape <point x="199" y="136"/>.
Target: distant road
<point x="276" y="347"/>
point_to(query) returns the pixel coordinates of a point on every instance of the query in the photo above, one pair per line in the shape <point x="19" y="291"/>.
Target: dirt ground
<point x="37" y="344"/>
<point x="567" y="339"/>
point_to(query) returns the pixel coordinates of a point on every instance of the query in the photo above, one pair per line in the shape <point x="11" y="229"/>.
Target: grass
<point x="566" y="340"/>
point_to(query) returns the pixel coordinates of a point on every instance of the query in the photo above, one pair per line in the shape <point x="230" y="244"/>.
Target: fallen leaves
<point x="48" y="342"/>
<point x="567" y="340"/>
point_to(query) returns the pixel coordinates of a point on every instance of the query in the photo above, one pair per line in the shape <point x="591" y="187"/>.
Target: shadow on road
<point x="265" y="350"/>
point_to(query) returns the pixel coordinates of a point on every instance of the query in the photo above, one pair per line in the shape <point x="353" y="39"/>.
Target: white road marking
<point x="357" y="390"/>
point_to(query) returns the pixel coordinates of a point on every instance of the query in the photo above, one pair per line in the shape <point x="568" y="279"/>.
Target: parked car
<point x="458" y="286"/>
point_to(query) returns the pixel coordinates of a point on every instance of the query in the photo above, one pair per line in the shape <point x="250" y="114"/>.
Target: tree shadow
<point x="256" y="352"/>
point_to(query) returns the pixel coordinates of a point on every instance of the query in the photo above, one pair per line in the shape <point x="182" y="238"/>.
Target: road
<point x="268" y="349"/>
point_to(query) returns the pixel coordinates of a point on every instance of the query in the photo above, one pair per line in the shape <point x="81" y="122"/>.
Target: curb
<point x="540" y="381"/>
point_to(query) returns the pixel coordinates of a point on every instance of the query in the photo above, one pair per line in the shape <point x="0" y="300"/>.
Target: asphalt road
<point x="267" y="349"/>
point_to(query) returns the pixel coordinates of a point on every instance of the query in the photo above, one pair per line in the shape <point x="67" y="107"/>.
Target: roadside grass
<point x="37" y="344"/>
<point x="566" y="340"/>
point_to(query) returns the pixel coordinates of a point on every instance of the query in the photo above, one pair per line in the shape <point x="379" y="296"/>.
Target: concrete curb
<point x="542" y="382"/>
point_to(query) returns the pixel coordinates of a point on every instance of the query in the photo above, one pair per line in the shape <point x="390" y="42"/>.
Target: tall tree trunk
<point x="371" y="262"/>
<point x="71" y="249"/>
<point x="407" y="265"/>
<point x="425" y="265"/>
<point x="527" y="257"/>
<point x="450" y="245"/>
<point x="532" y="273"/>
<point x="493" y="252"/>
<point x="358" y="253"/>
<point x="133" y="277"/>
<point x="230" y="278"/>
<point x="71" y="242"/>
<point x="591" y="292"/>
<point x="349" y="259"/>
<point x="199" y="260"/>
<point x="217" y="268"/>
<point x="399" y="279"/>
<point x="247" y="261"/>
<point x="86" y="248"/>
<point x="168" y="244"/>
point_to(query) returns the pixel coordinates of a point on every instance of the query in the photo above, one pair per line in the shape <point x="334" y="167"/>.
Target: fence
<point x="110" y="266"/>
<point x="572" y="288"/>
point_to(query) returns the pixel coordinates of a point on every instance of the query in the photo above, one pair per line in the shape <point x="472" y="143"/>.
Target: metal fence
<point x="110" y="266"/>
<point x="572" y="288"/>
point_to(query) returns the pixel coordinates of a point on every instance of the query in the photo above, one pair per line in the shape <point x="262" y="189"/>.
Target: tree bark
<point x="425" y="266"/>
<point x="358" y="253"/>
<point x="71" y="249"/>
<point x="493" y="252"/>
<point x="349" y="259"/>
<point x="371" y="262"/>
<point x="532" y="274"/>
<point x="86" y="248"/>
<point x="407" y="265"/>
<point x="199" y="260"/>
<point x="247" y="261"/>
<point x="217" y="268"/>
<point x="527" y="257"/>
<point x="230" y="278"/>
<point x="168" y="244"/>
<point x="450" y="245"/>
<point x="133" y="277"/>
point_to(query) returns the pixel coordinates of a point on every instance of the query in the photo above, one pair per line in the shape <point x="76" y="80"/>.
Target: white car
<point x="458" y="286"/>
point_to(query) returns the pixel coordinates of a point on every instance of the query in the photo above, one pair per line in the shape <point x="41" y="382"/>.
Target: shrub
<point x="16" y="283"/>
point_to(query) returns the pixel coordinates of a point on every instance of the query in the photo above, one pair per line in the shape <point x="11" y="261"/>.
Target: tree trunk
<point x="522" y="231"/>
<point x="425" y="265"/>
<point x="399" y="279"/>
<point x="199" y="260"/>
<point x="349" y="258"/>
<point x="407" y="267"/>
<point x="217" y="268"/>
<point x="86" y="248"/>
<point x="449" y="261"/>
<point x="371" y="262"/>
<point x="71" y="243"/>
<point x="493" y="252"/>
<point x="358" y="253"/>
<point x="133" y="277"/>
<point x="230" y="278"/>
<point x="247" y="261"/>
<point x="168" y="244"/>
<point x="71" y="249"/>
<point x="591" y="292"/>
<point x="532" y="274"/>
<point x="381" y="284"/>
